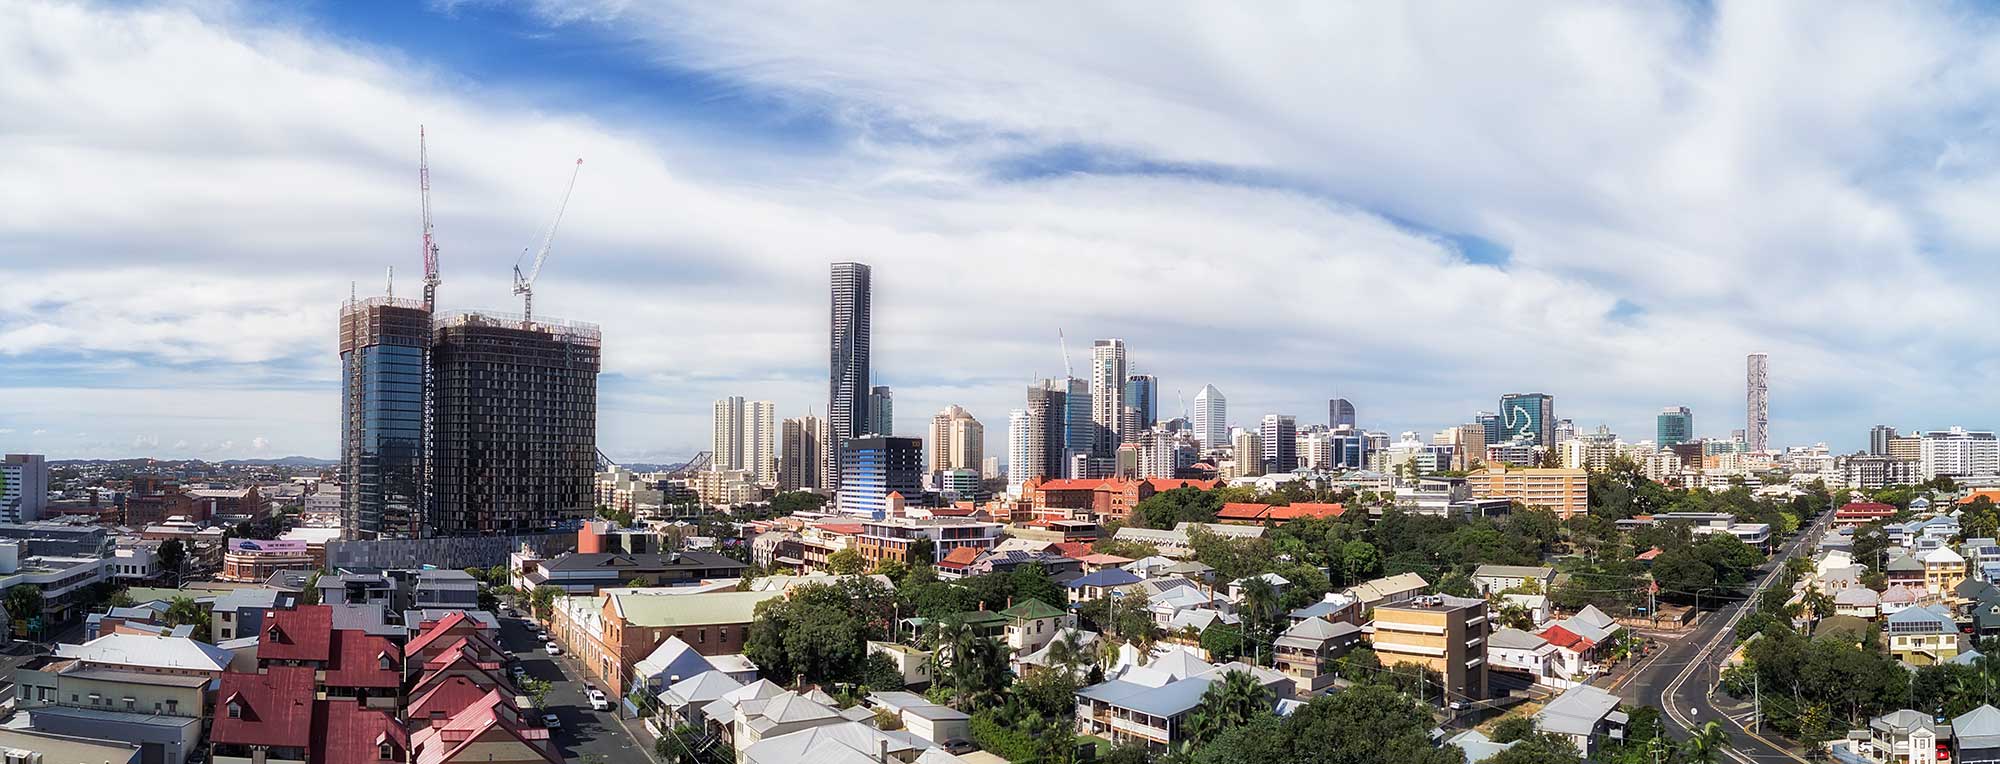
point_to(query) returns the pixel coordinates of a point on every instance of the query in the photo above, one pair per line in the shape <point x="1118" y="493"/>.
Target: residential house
<point x="263" y="718"/>
<point x="1033" y="623"/>
<point x="1944" y="570"/>
<point x="1524" y="654"/>
<point x="1857" y="601"/>
<point x="1494" y="579"/>
<point x="929" y="721"/>
<point x="1334" y="607"/>
<point x="1148" y="705"/>
<point x="489" y="730"/>
<point x="1100" y="584"/>
<point x="610" y="633"/>
<point x="684" y="699"/>
<point x="1388" y="590"/>
<point x="1922" y="635"/>
<point x="1237" y="587"/>
<point x="1306" y="652"/>
<point x="1587" y="716"/>
<point x="1975" y="736"/>
<point x="1908" y="737"/>
<point x="446" y="589"/>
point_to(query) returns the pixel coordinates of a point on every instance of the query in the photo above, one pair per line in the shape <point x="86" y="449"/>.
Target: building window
<point x="235" y="710"/>
<point x="386" y="751"/>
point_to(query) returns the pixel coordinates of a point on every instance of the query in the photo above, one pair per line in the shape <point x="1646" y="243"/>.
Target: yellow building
<point x="1923" y="635"/>
<point x="1944" y="570"/>
<point x="1565" y="492"/>
<point x="1443" y="633"/>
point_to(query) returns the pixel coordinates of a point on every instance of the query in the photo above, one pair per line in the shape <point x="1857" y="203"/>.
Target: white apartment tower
<point x="957" y="441"/>
<point x="1757" y="430"/>
<point x="1107" y="394"/>
<point x="1024" y="449"/>
<point x="24" y="487"/>
<point x="745" y="437"/>
<point x="1958" y="452"/>
<point x="1211" y="417"/>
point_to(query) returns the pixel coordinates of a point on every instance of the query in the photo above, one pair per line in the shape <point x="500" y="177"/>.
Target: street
<point x="1680" y="678"/>
<point x="586" y="734"/>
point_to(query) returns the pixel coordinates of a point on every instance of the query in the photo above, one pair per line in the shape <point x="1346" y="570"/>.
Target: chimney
<point x="882" y="750"/>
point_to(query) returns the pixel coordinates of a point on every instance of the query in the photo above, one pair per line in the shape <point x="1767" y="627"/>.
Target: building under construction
<point x="464" y="423"/>
<point x="514" y="428"/>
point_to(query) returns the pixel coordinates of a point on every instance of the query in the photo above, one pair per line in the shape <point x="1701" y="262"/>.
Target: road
<point x="586" y="735"/>
<point x="1680" y="679"/>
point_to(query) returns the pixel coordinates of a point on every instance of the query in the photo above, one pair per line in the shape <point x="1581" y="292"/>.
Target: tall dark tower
<point x="384" y="359"/>
<point x="848" y="374"/>
<point x="1339" y="413"/>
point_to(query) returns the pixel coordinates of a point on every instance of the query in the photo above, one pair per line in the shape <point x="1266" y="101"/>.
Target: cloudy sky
<point x="1416" y="206"/>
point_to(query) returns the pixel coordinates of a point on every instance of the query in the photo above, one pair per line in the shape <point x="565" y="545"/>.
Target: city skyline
<point x="775" y="157"/>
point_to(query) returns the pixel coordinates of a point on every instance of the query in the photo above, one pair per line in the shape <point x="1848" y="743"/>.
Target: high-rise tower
<point x="745" y="438"/>
<point x="385" y="356"/>
<point x="1211" y="417"/>
<point x="848" y="372"/>
<point x="1107" y="393"/>
<point x="804" y="454"/>
<point x="1339" y="413"/>
<point x="1674" y="425"/>
<point x="1532" y="415"/>
<point x="1757" y="430"/>
<point x="1142" y="396"/>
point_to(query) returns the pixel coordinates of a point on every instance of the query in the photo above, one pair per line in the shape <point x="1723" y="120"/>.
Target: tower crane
<point x="430" y="245"/>
<point x="1068" y="372"/>
<point x="525" y="285"/>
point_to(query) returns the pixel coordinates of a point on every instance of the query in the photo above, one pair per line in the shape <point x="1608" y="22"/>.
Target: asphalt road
<point x="1680" y="679"/>
<point x="586" y="735"/>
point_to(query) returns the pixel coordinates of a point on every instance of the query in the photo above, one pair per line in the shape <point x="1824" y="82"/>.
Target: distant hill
<point x="286" y="461"/>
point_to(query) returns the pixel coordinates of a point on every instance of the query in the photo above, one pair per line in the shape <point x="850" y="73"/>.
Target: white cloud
<point x="1741" y="179"/>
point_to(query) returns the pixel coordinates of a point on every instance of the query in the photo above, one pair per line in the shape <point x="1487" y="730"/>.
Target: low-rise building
<point x="1440" y="632"/>
<point x="1494" y="579"/>
<point x="1565" y="492"/>
<point x="1306" y="652"/>
<point x="610" y="633"/>
<point x="1922" y="635"/>
<point x="253" y="560"/>
<point x="1587" y="716"/>
<point x="1908" y="737"/>
<point x="891" y="538"/>
<point x="589" y="573"/>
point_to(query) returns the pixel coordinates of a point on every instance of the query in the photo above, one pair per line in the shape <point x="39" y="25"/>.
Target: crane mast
<point x="525" y="285"/>
<point x="430" y="245"/>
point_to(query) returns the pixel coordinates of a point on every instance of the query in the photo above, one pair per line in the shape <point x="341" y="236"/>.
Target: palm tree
<point x="1068" y="654"/>
<point x="1706" y="745"/>
<point x="1260" y="608"/>
<point x="1227" y="704"/>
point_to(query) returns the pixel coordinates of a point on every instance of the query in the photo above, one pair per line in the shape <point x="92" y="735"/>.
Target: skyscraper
<point x="1246" y="449"/>
<point x="1491" y="423"/>
<point x="1141" y="403"/>
<point x="874" y="467"/>
<point x="1339" y="413"/>
<point x="1280" y="436"/>
<point x="803" y="454"/>
<point x="957" y="441"/>
<point x="881" y="411"/>
<point x="745" y="438"/>
<point x="1674" y="425"/>
<point x="1879" y="437"/>
<point x="515" y="424"/>
<point x="385" y="404"/>
<point x="1024" y="448"/>
<point x="1107" y="393"/>
<point x="1532" y="415"/>
<point x="1757" y="430"/>
<point x="1211" y="417"/>
<point x="848" y="372"/>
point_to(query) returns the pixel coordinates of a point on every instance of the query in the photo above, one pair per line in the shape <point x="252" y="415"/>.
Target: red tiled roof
<point x="844" y="529"/>
<point x="357" y="661"/>
<point x="436" y="631"/>
<point x="1990" y="494"/>
<point x="960" y="557"/>
<point x="952" y="511"/>
<point x="350" y="734"/>
<point x="460" y="650"/>
<point x="1073" y="549"/>
<point x="485" y="675"/>
<point x="1080" y="484"/>
<point x="448" y="697"/>
<point x="1242" y="511"/>
<point x="475" y="723"/>
<point x="304" y="633"/>
<point x="276" y="705"/>
<point x="1878" y="508"/>
<point x="1648" y="555"/>
<point x="1307" y="509"/>
<point x="1168" y="484"/>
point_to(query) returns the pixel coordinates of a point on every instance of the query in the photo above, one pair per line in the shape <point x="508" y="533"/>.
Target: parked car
<point x="958" y="745"/>
<point x="519" y="672"/>
<point x="598" y="702"/>
<point x="550" y="721"/>
<point x="553" y="648"/>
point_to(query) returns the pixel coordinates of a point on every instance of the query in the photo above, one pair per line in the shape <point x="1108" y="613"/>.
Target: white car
<point x="550" y="721"/>
<point x="519" y="672"/>
<point x="598" y="702"/>
<point x="553" y="648"/>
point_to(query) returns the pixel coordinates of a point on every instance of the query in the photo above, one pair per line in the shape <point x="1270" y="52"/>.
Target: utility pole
<point x="1757" y="706"/>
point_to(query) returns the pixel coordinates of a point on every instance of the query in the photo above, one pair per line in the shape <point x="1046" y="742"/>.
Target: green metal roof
<point x="1033" y="609"/>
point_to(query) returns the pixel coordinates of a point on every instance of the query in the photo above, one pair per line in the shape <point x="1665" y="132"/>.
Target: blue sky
<point x="1415" y="207"/>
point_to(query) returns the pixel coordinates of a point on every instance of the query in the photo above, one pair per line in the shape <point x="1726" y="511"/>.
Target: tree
<point x="1360" y="725"/>
<point x="923" y="551"/>
<point x="796" y="501"/>
<point x="23" y="603"/>
<point x="1539" y="748"/>
<point x="1165" y="509"/>
<point x="1068" y="654"/>
<point x="879" y="672"/>
<point x="1707" y="744"/>
<point x="1261" y="615"/>
<point x="173" y="554"/>
<point x="537" y="689"/>
<point x="846" y="562"/>
<point x="820" y="633"/>
<point x="184" y="611"/>
<point x="1871" y="543"/>
<point x="542" y="600"/>
<point x="310" y="596"/>
<point x="1226" y="705"/>
<point x="1513" y="728"/>
<point x="1222" y="641"/>
<point x="1031" y="581"/>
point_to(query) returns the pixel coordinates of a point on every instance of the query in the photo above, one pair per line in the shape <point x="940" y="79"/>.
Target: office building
<point x="24" y="487"/>
<point x="1279" y="434"/>
<point x="1878" y="439"/>
<point x="1339" y="414"/>
<point x="957" y="441"/>
<point x="803" y="454"/>
<point x="881" y="411"/>
<point x="1247" y="451"/>
<point x="745" y="438"/>
<point x="848" y="372"/>
<point x="872" y="468"/>
<point x="990" y="468"/>
<point x="1468" y="442"/>
<point x="1529" y="415"/>
<point x="1565" y="430"/>
<point x="385" y="347"/>
<point x="1958" y="452"/>
<point x="515" y="418"/>
<point x="1757" y="383"/>
<point x="1211" y="418"/>
<point x="1675" y="424"/>
<point x="1107" y="394"/>
<point x="1490" y="422"/>
<point x="1440" y="632"/>
<point x="1142" y="392"/>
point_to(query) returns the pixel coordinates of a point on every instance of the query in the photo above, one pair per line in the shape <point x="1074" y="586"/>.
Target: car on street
<point x="519" y="672"/>
<point x="598" y="702"/>
<point x="551" y="721"/>
<point x="553" y="648"/>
